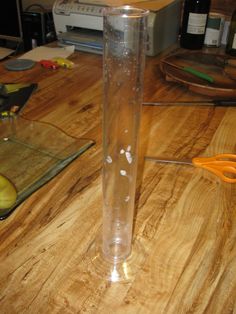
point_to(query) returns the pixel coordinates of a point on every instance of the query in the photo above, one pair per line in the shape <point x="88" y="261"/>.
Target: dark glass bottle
<point x="231" y="42"/>
<point x="195" y="13"/>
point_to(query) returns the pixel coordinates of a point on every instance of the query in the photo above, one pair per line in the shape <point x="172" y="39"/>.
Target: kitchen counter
<point x="185" y="217"/>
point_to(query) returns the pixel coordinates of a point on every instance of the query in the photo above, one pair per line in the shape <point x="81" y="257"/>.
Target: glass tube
<point x="123" y="67"/>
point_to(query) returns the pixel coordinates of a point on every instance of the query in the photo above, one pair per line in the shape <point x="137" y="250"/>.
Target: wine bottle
<point x="195" y="13"/>
<point x="231" y="41"/>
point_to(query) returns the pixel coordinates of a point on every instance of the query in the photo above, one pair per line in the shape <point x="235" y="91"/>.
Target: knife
<point x="192" y="71"/>
<point x="216" y="103"/>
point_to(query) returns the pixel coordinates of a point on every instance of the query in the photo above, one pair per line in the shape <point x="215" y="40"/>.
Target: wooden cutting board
<point x="215" y="66"/>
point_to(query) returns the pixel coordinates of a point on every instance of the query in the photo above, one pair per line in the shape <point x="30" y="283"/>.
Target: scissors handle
<point x="223" y="165"/>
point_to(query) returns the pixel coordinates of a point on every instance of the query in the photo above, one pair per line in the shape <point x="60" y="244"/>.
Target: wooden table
<point x="185" y="217"/>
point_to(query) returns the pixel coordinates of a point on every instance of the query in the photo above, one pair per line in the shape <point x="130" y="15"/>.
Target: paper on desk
<point x="47" y="53"/>
<point x="5" y="52"/>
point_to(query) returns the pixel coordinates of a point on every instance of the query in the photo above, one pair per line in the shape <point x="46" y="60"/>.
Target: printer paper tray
<point x="82" y="47"/>
<point x="83" y="40"/>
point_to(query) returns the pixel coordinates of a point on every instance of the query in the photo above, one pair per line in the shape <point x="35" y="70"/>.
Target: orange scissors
<point x="222" y="165"/>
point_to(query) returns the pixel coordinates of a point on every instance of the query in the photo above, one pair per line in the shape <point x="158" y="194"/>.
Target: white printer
<point x="80" y="23"/>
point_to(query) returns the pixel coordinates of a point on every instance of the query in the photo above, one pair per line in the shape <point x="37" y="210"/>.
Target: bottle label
<point x="234" y="42"/>
<point x="196" y="23"/>
<point x="212" y="37"/>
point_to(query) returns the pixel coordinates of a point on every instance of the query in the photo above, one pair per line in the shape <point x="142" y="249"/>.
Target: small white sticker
<point x="127" y="198"/>
<point x="109" y="159"/>
<point x="128" y="157"/>
<point x="123" y="172"/>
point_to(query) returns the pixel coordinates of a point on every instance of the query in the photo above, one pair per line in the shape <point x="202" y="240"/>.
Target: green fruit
<point x="8" y="193"/>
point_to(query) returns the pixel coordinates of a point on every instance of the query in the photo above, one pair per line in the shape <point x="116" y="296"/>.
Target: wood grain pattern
<point x="185" y="217"/>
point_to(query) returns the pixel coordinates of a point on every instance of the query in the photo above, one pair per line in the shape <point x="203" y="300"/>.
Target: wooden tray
<point x="216" y="66"/>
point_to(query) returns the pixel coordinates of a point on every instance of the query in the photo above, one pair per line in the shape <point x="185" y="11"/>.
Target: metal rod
<point x="216" y="103"/>
<point x="169" y="161"/>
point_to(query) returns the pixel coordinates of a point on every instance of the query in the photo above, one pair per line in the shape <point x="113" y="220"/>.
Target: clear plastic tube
<point x="114" y="256"/>
<point x="124" y="60"/>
